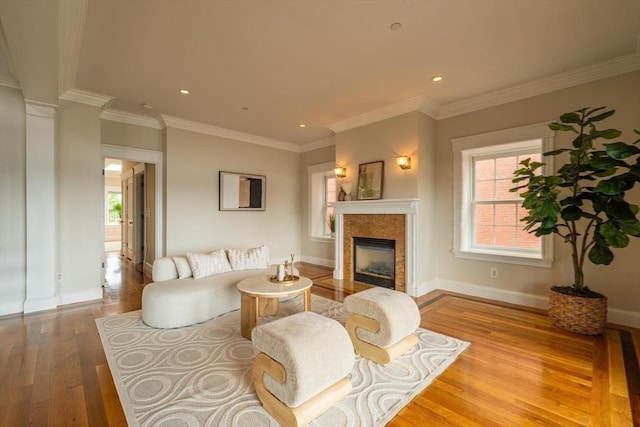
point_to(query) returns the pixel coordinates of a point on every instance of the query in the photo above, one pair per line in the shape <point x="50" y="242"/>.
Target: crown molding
<point x="318" y="143"/>
<point x="417" y="103"/>
<point x="175" y="122"/>
<point x="131" y="119"/>
<point x="88" y="98"/>
<point x="602" y="70"/>
<point x="6" y="79"/>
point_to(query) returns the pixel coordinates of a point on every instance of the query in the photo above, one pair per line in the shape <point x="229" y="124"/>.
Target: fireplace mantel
<point x="408" y="207"/>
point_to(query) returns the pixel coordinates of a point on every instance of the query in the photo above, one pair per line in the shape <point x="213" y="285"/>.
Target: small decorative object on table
<point x="287" y="277"/>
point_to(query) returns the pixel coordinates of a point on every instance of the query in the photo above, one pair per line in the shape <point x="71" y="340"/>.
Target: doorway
<point x="148" y="178"/>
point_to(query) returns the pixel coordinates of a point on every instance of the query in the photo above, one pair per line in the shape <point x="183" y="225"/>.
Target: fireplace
<point x="374" y="261"/>
<point x="392" y="219"/>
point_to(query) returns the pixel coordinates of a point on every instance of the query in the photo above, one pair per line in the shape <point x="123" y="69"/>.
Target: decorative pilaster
<point x="40" y="209"/>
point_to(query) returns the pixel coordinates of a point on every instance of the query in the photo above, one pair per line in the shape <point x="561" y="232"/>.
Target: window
<point x="322" y="192"/>
<point x="114" y="207"/>
<point x="487" y="216"/>
<point x="329" y="197"/>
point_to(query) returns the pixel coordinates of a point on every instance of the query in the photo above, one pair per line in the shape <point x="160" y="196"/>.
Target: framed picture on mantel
<point x="370" y="180"/>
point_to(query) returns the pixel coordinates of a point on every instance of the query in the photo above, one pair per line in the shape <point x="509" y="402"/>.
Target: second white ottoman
<point x="383" y="324"/>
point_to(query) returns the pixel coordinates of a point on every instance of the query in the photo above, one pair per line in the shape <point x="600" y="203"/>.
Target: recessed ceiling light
<point x="395" y="26"/>
<point x="302" y="125"/>
<point x="184" y="91"/>
<point x="146" y="106"/>
<point x="436" y="78"/>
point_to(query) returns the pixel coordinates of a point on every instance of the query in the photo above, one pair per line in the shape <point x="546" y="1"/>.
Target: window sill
<point x="505" y="259"/>
<point x="322" y="239"/>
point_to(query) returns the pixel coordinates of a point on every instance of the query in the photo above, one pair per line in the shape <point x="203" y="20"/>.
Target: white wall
<point x="529" y="285"/>
<point x="193" y="221"/>
<point x="13" y="197"/>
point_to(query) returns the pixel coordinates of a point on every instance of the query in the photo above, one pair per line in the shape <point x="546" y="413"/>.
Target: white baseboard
<point x="614" y="315"/>
<point x="40" y="304"/>
<point x="318" y="261"/>
<point x="84" y="296"/>
<point x="11" y="307"/>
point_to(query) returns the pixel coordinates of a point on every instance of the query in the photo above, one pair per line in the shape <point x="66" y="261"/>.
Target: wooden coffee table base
<point x="252" y="306"/>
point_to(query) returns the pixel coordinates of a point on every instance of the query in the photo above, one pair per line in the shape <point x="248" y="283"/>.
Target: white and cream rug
<point x="201" y="375"/>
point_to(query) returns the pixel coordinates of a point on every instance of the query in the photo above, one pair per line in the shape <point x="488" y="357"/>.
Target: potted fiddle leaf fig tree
<point x="585" y="202"/>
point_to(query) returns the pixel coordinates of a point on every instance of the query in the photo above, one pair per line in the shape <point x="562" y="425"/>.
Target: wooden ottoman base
<point x="379" y="355"/>
<point x="304" y="413"/>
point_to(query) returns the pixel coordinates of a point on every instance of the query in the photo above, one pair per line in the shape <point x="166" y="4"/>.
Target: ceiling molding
<point x="184" y="124"/>
<point x="131" y="119"/>
<point x="88" y="98"/>
<point x="318" y="143"/>
<point x="602" y="70"/>
<point x="393" y="110"/>
<point x="8" y="80"/>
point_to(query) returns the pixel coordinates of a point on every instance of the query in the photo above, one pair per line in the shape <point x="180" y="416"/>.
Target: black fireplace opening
<point x="374" y="261"/>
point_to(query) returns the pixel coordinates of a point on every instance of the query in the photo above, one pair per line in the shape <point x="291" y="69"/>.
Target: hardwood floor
<point x="518" y="370"/>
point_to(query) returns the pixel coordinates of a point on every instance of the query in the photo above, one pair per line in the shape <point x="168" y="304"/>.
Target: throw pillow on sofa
<point x="249" y="259"/>
<point x="204" y="265"/>
<point x="182" y="265"/>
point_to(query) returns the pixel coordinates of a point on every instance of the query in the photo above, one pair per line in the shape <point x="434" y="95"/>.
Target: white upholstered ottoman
<point x="303" y="366"/>
<point x="382" y="324"/>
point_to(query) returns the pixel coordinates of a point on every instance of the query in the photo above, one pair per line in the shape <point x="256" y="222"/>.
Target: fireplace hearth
<point x="374" y="261"/>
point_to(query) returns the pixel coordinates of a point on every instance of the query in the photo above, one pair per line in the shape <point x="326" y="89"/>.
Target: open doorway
<point x="113" y="205"/>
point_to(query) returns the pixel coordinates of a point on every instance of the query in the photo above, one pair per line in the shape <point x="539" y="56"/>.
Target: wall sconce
<point x="340" y="172"/>
<point x="404" y="162"/>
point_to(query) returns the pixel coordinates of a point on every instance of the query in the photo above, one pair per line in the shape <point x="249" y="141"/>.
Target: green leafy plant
<point x="332" y="223"/>
<point x="584" y="201"/>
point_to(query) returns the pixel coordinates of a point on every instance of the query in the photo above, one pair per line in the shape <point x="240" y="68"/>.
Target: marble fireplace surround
<point x="383" y="220"/>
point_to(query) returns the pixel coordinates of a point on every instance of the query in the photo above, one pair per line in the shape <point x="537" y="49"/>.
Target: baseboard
<point x="40" y="304"/>
<point x="11" y="307"/>
<point x="84" y="296"/>
<point x="147" y="268"/>
<point x="318" y="261"/>
<point x="614" y="315"/>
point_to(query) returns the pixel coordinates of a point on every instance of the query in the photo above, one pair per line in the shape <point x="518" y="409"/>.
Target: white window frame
<point x="316" y="175"/>
<point x="508" y="141"/>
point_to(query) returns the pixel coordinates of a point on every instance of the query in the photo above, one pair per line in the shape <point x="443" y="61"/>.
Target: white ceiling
<point x="322" y="62"/>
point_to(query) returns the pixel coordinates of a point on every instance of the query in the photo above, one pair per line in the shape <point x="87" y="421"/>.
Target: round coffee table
<point x="259" y="297"/>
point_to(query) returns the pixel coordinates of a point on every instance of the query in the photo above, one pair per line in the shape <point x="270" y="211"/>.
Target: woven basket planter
<point x="579" y="315"/>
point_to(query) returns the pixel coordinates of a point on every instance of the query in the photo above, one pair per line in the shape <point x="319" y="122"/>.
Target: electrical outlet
<point x="493" y="272"/>
<point x="59" y="277"/>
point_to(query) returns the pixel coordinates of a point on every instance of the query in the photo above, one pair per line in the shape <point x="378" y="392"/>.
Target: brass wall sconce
<point x="340" y="172"/>
<point x="404" y="162"/>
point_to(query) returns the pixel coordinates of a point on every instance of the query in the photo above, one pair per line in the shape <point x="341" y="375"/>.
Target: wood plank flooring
<point x="518" y="370"/>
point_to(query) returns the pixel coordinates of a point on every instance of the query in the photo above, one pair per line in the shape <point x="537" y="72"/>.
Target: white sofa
<point x="172" y="302"/>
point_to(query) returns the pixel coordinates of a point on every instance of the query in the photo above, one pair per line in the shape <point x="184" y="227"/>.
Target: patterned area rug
<point x="201" y="375"/>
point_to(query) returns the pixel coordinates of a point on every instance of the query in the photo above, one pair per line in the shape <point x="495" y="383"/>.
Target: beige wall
<point x="314" y="250"/>
<point x="426" y="179"/>
<point x="80" y="193"/>
<point x="621" y="280"/>
<point x="383" y="140"/>
<point x="12" y="194"/>
<point x="129" y="135"/>
<point x="193" y="221"/>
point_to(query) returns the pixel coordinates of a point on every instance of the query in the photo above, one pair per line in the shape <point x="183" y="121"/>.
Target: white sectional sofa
<point x="177" y="298"/>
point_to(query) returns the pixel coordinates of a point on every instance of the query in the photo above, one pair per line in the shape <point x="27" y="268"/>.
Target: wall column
<point x="40" y="208"/>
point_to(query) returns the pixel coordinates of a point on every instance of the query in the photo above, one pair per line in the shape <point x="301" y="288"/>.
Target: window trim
<point x="316" y="180"/>
<point x="494" y="143"/>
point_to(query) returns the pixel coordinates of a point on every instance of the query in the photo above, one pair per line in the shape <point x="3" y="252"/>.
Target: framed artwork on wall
<point x="242" y="192"/>
<point x="370" y="180"/>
